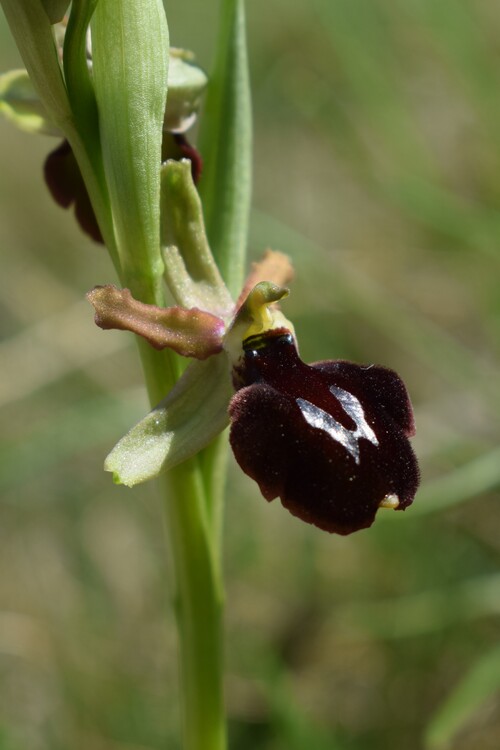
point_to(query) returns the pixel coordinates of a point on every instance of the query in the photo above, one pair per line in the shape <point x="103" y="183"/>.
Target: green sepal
<point x="20" y="104"/>
<point x="187" y="420"/>
<point x="190" y="270"/>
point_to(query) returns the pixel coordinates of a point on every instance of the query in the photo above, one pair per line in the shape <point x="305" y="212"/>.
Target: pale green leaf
<point x="187" y="420"/>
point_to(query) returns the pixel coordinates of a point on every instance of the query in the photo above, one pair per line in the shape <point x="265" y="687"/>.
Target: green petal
<point x="191" y="333"/>
<point x="187" y="420"/>
<point x="20" y="103"/>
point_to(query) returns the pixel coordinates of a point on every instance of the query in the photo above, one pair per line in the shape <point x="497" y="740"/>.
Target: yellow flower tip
<point x="390" y="501"/>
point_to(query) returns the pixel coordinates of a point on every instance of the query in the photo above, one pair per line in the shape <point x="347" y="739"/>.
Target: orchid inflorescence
<point x="330" y="439"/>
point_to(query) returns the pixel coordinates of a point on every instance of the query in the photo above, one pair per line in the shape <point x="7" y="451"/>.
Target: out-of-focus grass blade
<point x="473" y="691"/>
<point x="480" y="475"/>
<point x="459" y="32"/>
<point x="226" y="146"/>
<point x="368" y="91"/>
<point x="291" y="723"/>
<point x="55" y="355"/>
<point x="425" y="612"/>
<point x="363" y="44"/>
<point x="437" y="208"/>
<point x="95" y="421"/>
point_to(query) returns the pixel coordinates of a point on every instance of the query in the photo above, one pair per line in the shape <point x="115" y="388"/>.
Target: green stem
<point x="198" y="608"/>
<point x="198" y="597"/>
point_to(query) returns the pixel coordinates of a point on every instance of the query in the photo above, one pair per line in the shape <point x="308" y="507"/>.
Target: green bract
<point x="130" y="66"/>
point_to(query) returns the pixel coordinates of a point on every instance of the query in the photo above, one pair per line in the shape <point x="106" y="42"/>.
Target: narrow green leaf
<point x="32" y="32"/>
<point x="130" y="69"/>
<point x="226" y="146"/>
<point x="20" y="103"/>
<point x="187" y="420"/>
<point x="478" y="686"/>
<point x="191" y="273"/>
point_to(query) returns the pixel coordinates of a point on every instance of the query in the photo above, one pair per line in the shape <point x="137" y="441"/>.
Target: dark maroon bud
<point x="330" y="439"/>
<point x="65" y="182"/>
<point x="176" y="146"/>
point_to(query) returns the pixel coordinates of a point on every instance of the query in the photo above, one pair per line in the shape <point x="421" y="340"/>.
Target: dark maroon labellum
<point x="330" y="439"/>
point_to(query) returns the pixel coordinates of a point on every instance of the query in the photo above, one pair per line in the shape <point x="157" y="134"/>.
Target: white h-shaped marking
<point x="320" y="419"/>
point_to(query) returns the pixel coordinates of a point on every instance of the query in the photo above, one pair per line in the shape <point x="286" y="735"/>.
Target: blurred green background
<point x="377" y="163"/>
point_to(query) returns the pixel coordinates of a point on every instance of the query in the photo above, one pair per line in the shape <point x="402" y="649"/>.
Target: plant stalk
<point x="198" y="598"/>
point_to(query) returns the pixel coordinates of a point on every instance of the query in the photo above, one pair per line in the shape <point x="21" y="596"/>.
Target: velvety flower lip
<point x="330" y="439"/>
